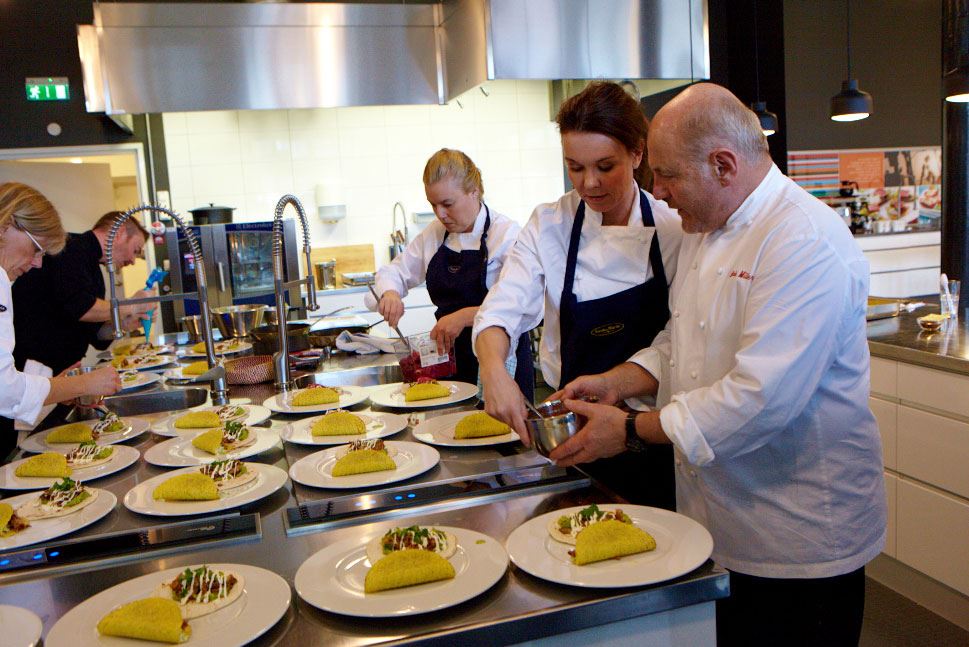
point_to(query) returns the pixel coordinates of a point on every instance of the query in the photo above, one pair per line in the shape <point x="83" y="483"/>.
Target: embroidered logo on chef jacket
<point x="742" y="274"/>
<point x="607" y="329"/>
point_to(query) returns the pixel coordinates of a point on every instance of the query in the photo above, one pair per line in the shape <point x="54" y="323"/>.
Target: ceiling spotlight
<point x="768" y="120"/>
<point x="955" y="85"/>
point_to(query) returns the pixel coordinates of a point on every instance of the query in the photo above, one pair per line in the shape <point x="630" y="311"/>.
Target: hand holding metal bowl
<point x="550" y="424"/>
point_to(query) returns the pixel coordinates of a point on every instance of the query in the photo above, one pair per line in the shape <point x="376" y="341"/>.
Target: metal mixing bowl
<point x="556" y="425"/>
<point x="238" y="321"/>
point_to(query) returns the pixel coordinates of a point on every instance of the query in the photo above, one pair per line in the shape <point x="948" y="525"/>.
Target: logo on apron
<point x="607" y="329"/>
<point x="453" y="269"/>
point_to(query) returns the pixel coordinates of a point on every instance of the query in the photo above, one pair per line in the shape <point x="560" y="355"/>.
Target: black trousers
<point x="821" y="612"/>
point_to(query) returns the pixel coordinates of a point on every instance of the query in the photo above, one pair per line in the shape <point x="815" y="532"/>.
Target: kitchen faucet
<point x="216" y="372"/>
<point x="284" y="380"/>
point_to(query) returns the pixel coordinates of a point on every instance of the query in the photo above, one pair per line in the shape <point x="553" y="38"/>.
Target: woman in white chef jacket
<point x="458" y="256"/>
<point x="597" y="265"/>
<point x="29" y="228"/>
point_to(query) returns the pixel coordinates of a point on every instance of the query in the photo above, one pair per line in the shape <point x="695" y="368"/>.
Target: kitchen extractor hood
<point x="161" y="57"/>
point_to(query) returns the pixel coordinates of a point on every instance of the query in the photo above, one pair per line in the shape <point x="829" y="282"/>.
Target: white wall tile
<point x="314" y="144"/>
<point x="543" y="135"/>
<point x="496" y="108"/>
<point x="216" y="121"/>
<point x="312" y="119"/>
<point x="180" y="182"/>
<point x="532" y="87"/>
<point x="497" y="136"/>
<point x="459" y="136"/>
<point x="499" y="164"/>
<point x="410" y="140"/>
<point x="307" y="174"/>
<point x="541" y="163"/>
<point x="177" y="150"/>
<point x="265" y="146"/>
<point x="460" y="111"/>
<point x="268" y="177"/>
<point x="218" y="179"/>
<point x="364" y="171"/>
<point x="263" y="120"/>
<point x="174" y="123"/>
<point x="362" y="142"/>
<point x="360" y="117"/>
<point x="407" y="115"/>
<point x="182" y="203"/>
<point x="533" y="107"/>
<point x="218" y="148"/>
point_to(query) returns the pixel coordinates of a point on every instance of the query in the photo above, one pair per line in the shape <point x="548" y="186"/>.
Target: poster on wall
<point x="866" y="169"/>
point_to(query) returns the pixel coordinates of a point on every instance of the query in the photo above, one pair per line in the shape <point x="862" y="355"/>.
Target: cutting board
<point x="349" y="258"/>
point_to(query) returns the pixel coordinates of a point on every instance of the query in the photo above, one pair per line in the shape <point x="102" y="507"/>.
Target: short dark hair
<point x="132" y="224"/>
<point x="604" y="107"/>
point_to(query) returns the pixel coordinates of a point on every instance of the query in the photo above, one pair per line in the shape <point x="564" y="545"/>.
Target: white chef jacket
<point x="611" y="259"/>
<point x="777" y="453"/>
<point x="21" y="396"/>
<point x="410" y="268"/>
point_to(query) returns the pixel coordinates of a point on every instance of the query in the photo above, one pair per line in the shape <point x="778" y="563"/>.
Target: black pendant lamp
<point x="851" y="104"/>
<point x="768" y="120"/>
<point x="955" y="85"/>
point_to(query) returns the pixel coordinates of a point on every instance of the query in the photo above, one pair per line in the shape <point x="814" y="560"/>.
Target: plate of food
<point x="62" y="508"/>
<point x="317" y="398"/>
<point x="227" y="347"/>
<point x="209" y="604"/>
<point x="338" y="427"/>
<point x="131" y="380"/>
<point x="65" y="438"/>
<point x="401" y="571"/>
<point x="192" y="421"/>
<point x="189" y="371"/>
<point x="142" y="362"/>
<point x="464" y="429"/>
<point x="21" y="627"/>
<point x="140" y="348"/>
<point x="213" y="487"/>
<point x="364" y="463"/>
<point x="609" y="545"/>
<point x="422" y="394"/>
<point x="232" y="440"/>
<point x="87" y="462"/>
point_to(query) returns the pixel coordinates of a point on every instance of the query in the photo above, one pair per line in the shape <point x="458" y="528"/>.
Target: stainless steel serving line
<point x="492" y="490"/>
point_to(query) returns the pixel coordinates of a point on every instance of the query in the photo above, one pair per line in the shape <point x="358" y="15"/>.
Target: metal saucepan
<point x="265" y="339"/>
<point x="325" y="330"/>
<point x="238" y="321"/>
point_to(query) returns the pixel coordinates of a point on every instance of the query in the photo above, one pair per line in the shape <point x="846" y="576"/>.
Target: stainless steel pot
<point x="211" y="215"/>
<point x="239" y="321"/>
<point x="265" y="339"/>
<point x="193" y="326"/>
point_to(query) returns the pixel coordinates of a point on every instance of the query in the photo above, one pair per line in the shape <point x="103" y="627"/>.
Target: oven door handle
<point x="220" y="267"/>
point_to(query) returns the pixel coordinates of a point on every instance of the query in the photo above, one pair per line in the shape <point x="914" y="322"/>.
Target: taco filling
<point x="87" y="453"/>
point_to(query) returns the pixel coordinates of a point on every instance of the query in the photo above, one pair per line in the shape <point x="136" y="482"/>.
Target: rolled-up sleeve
<point x="793" y="317"/>
<point x="516" y="301"/>
<point x="21" y="396"/>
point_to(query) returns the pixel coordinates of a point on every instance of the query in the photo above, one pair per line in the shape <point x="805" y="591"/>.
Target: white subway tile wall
<point x="371" y="156"/>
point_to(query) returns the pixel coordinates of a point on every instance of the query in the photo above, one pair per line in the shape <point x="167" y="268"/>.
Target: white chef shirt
<point x="777" y="453"/>
<point x="410" y="268"/>
<point x="21" y="396"/>
<point x="611" y="259"/>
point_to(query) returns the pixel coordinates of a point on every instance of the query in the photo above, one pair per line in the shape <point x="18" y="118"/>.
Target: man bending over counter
<point x="766" y="358"/>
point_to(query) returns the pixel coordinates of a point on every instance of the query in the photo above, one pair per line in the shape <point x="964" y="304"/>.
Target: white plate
<point x="47" y="529"/>
<point x="21" y="628"/>
<point x="269" y="479"/>
<point x="161" y="349"/>
<point x="219" y="345"/>
<point x="162" y="360"/>
<point x="681" y="546"/>
<point x="141" y="380"/>
<point x="332" y="579"/>
<point x="379" y="425"/>
<point x="166" y="427"/>
<point x="122" y="457"/>
<point x="440" y="431"/>
<point x="180" y="452"/>
<point x="264" y="601"/>
<point x="37" y="443"/>
<point x="392" y="395"/>
<point x="316" y="469"/>
<point x="349" y="396"/>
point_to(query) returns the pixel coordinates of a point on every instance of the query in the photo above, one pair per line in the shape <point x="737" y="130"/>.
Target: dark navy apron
<point x="456" y="280"/>
<point x="601" y="333"/>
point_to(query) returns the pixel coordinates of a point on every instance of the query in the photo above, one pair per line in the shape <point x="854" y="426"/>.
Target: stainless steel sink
<point x="155" y="401"/>
<point x="368" y="376"/>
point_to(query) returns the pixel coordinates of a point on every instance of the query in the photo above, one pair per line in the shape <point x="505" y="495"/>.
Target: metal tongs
<point x="396" y="329"/>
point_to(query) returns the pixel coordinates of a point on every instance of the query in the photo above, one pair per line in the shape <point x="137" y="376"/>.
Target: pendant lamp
<point x="851" y="104"/>
<point x="955" y="85"/>
<point x="768" y="120"/>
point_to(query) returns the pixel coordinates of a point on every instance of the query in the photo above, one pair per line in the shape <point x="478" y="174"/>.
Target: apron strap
<point x="573" y="254"/>
<point x="655" y="255"/>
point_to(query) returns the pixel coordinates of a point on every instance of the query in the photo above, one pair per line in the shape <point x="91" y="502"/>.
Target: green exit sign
<point x="48" y="88"/>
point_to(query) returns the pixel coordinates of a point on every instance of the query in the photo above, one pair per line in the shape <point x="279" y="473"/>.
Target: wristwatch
<point x="633" y="442"/>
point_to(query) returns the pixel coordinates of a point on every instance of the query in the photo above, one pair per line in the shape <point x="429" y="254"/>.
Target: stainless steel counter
<point x="900" y="338"/>
<point x="518" y="608"/>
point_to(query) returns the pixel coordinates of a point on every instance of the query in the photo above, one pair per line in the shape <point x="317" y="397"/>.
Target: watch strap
<point x="633" y="442"/>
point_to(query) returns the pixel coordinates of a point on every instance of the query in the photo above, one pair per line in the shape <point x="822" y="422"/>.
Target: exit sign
<point x="48" y="88"/>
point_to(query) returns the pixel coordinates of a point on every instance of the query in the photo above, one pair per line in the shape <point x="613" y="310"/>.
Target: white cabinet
<point x="934" y="449"/>
<point x="891" y="500"/>
<point x="884" y="377"/>
<point x="932" y="532"/>
<point x="932" y="388"/>
<point x="886" y="414"/>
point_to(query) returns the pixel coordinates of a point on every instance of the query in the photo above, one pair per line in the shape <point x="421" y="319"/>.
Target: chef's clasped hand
<point x="602" y="435"/>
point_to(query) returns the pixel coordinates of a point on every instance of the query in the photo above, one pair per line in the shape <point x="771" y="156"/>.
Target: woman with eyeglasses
<point x="29" y="228"/>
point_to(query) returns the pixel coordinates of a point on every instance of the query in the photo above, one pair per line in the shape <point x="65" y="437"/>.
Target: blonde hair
<point x="448" y="162"/>
<point x="29" y="210"/>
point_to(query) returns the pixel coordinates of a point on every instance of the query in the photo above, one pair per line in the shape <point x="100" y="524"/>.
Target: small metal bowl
<point x="238" y="321"/>
<point x="931" y="323"/>
<point x="556" y="425"/>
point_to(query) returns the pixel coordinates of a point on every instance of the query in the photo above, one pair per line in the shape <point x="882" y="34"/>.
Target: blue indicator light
<point x="38" y="556"/>
<point x="398" y="498"/>
<point x="4" y="562"/>
<point x="54" y="553"/>
<point x="411" y="495"/>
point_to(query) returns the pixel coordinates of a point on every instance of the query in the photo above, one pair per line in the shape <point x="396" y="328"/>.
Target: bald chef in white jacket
<point x="776" y="450"/>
